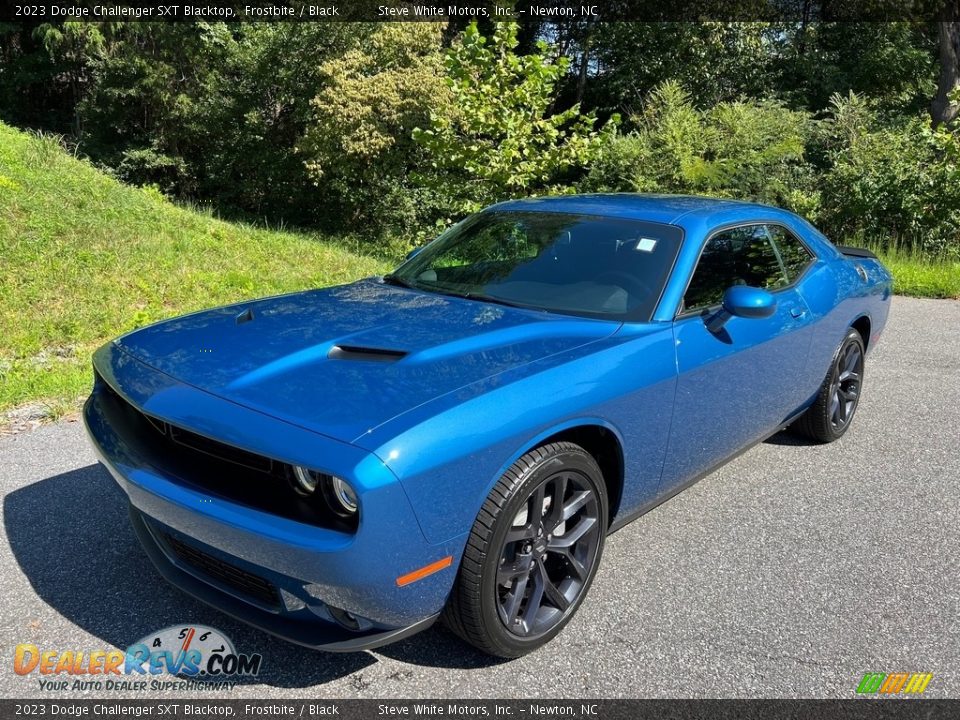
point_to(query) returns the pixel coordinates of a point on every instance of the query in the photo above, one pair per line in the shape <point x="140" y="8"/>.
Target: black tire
<point x="543" y="575"/>
<point x="832" y="412"/>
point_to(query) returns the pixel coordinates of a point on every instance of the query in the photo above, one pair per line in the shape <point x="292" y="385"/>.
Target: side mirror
<point x="743" y="301"/>
<point x="413" y="252"/>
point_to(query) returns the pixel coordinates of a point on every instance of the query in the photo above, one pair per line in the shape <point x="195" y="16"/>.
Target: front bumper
<point x="288" y="578"/>
<point x="318" y="635"/>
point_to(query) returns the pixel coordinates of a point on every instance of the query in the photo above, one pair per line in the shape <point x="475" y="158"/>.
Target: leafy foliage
<point x="358" y="146"/>
<point x="715" y="61"/>
<point x="890" y="62"/>
<point x="205" y="110"/>
<point x="506" y="139"/>
<point x="378" y="129"/>
<point x="749" y="150"/>
<point x="891" y="185"/>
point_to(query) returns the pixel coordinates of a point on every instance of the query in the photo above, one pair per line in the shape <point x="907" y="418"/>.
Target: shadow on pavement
<point x="71" y="536"/>
<point x="438" y="647"/>
<point x="788" y="437"/>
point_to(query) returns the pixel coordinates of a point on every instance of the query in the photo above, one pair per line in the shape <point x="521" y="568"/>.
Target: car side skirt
<point x="628" y="518"/>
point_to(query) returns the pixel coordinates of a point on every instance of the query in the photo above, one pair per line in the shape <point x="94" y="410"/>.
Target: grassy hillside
<point x="84" y="258"/>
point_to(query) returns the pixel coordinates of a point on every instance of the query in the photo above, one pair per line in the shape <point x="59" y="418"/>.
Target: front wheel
<point x="532" y="553"/>
<point x="832" y="412"/>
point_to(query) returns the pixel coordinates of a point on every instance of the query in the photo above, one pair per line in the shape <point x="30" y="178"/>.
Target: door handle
<point x="797" y="313"/>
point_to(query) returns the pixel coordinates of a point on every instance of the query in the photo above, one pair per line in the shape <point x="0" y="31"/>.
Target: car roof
<point x="640" y="206"/>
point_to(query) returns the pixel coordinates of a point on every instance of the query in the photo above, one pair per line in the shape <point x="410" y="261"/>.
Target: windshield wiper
<point x="391" y="279"/>
<point x="496" y="301"/>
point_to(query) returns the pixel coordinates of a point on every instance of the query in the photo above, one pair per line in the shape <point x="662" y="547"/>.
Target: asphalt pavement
<point x="790" y="572"/>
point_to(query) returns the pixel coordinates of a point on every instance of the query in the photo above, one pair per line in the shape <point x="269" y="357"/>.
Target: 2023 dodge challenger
<point x="341" y="467"/>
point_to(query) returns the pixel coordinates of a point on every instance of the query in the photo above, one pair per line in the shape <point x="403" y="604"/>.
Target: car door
<point x="736" y="384"/>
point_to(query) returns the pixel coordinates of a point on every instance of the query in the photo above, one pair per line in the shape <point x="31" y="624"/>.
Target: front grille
<point x="216" y="468"/>
<point x="202" y="444"/>
<point x="219" y="450"/>
<point x="247" y="583"/>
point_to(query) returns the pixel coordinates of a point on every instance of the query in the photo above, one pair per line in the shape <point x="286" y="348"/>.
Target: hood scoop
<point x="370" y="354"/>
<point x="244" y="317"/>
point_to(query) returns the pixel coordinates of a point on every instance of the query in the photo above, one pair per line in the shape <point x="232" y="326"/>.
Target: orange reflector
<point x="424" y="571"/>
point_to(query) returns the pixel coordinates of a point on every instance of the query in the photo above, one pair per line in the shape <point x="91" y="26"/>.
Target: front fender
<point x="449" y="460"/>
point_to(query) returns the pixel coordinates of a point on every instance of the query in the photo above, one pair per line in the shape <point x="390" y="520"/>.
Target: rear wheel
<point x="832" y="412"/>
<point x="532" y="553"/>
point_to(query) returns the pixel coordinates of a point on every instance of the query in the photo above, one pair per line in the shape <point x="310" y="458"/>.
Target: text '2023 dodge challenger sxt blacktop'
<point x="341" y="467"/>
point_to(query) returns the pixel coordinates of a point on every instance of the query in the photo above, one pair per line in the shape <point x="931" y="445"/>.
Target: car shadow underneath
<point x="790" y="438"/>
<point x="71" y="536"/>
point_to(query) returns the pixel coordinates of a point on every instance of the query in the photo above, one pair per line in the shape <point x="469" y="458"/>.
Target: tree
<point x="358" y="146"/>
<point x="714" y="61"/>
<point x="889" y="62"/>
<point x="748" y="150"/>
<point x="506" y="139"/>
<point x="257" y="112"/>
<point x="206" y="111"/>
<point x="45" y="71"/>
<point x="944" y="110"/>
<point x="891" y="185"/>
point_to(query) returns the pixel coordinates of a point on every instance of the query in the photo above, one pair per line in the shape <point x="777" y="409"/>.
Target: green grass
<point x="84" y="258"/>
<point x="918" y="276"/>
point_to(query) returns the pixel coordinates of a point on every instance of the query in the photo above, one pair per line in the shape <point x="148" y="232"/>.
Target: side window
<point x="740" y="256"/>
<point x="795" y="256"/>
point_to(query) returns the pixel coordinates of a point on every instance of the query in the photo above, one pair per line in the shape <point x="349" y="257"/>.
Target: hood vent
<point x="356" y="352"/>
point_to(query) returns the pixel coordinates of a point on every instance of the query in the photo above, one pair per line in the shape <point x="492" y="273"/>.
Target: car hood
<point x="344" y="360"/>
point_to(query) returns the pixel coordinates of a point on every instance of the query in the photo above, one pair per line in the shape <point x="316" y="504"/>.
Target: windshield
<point x="576" y="264"/>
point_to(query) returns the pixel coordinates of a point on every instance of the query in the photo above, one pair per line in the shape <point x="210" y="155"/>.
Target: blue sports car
<point x="456" y="439"/>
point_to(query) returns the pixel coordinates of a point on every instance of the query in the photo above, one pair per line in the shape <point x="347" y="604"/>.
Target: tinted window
<point x="576" y="264"/>
<point x="794" y="255"/>
<point x="740" y="256"/>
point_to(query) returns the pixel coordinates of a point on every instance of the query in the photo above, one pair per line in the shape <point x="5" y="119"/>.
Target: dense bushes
<point x="204" y="111"/>
<point x="406" y="137"/>
<point x="387" y="131"/>
<point x="885" y="184"/>
<point x="734" y="149"/>
<point x="891" y="186"/>
<point x="505" y="140"/>
<point x="358" y="145"/>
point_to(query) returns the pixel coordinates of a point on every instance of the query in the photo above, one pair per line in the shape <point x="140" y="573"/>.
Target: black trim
<point x="851" y="251"/>
<point x="215" y="448"/>
<point x="212" y="467"/>
<point x="259" y="589"/>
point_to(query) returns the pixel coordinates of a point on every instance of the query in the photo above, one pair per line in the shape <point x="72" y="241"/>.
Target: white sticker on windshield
<point x="646" y="244"/>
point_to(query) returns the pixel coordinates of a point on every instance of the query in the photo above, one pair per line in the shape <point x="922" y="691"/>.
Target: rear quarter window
<point x="793" y="253"/>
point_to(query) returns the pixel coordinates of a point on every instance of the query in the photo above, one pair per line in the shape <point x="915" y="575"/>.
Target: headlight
<point x="306" y="481"/>
<point x="339" y="496"/>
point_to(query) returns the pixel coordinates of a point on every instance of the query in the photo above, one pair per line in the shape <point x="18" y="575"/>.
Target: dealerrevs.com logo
<point x="200" y="658"/>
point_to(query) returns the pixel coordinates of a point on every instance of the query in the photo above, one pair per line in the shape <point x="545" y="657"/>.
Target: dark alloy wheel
<point x="532" y="553"/>
<point x="836" y="402"/>
<point x="845" y="387"/>
<point x="548" y="553"/>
